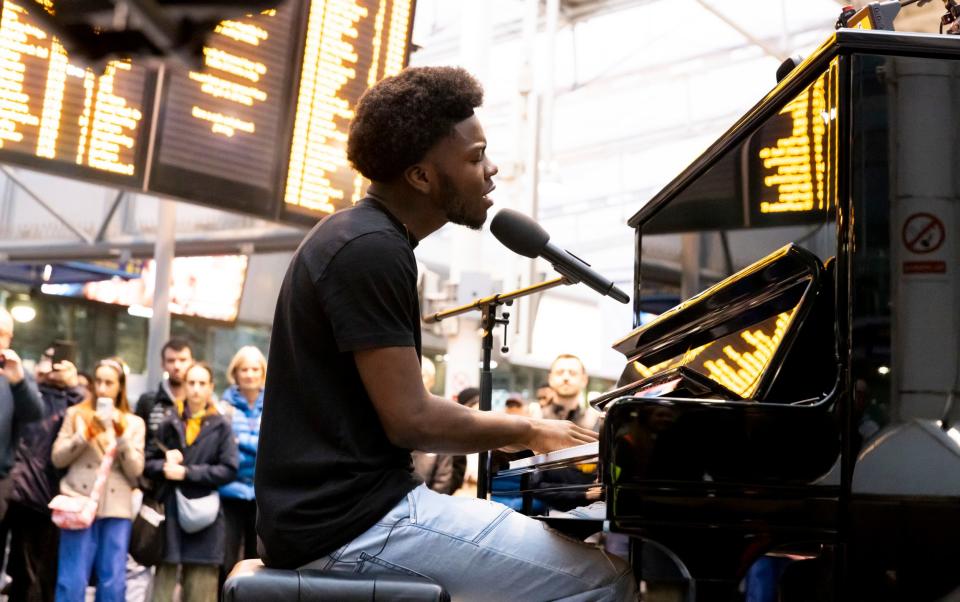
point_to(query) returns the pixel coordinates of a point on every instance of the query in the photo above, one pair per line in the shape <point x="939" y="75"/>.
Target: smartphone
<point x="104" y="405"/>
<point x="64" y="350"/>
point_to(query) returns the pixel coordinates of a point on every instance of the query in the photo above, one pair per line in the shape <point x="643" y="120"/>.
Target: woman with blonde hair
<point x="194" y="456"/>
<point x="242" y="405"/>
<point x="91" y="431"/>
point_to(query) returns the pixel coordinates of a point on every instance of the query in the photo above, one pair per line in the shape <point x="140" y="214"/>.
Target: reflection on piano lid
<point x="736" y="333"/>
<point x="675" y="382"/>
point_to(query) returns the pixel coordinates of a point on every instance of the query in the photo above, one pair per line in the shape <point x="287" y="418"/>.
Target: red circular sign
<point x="923" y="233"/>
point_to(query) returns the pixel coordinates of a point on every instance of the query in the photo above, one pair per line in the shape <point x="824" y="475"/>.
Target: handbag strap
<point x="105" y="465"/>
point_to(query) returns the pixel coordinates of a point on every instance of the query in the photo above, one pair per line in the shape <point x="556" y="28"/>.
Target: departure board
<point x="261" y="128"/>
<point x="59" y="116"/>
<point x="350" y="45"/>
<point x="220" y="129"/>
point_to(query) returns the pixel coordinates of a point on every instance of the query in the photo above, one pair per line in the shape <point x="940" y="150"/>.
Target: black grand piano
<point x="799" y="402"/>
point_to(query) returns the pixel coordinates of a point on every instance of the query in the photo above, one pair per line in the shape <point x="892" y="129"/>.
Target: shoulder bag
<point x="77" y="512"/>
<point x="147" y="536"/>
<point x="196" y="514"/>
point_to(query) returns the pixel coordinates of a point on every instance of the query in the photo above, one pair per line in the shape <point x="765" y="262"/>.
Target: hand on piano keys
<point x="550" y="435"/>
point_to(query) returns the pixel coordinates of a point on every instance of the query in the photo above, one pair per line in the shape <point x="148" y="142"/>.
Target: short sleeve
<point x="368" y="292"/>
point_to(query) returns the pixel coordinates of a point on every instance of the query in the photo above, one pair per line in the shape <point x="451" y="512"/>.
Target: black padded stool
<point x="250" y="581"/>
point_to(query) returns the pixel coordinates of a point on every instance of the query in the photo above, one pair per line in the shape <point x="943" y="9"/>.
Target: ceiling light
<point x="23" y="310"/>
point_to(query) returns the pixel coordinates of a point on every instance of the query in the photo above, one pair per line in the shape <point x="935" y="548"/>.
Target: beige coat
<point x="71" y="449"/>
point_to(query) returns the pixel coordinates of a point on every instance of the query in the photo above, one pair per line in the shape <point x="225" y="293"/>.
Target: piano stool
<point x="250" y="581"/>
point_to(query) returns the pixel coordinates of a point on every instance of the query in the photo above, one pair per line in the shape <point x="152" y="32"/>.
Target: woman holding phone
<point x="194" y="456"/>
<point x="92" y="430"/>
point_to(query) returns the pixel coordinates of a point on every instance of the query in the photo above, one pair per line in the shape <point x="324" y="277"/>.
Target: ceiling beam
<point x="776" y="53"/>
<point x="227" y="242"/>
<point x="33" y="195"/>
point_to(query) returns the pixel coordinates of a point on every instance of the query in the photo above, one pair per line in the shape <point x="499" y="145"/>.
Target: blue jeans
<point x="103" y="546"/>
<point x="480" y="550"/>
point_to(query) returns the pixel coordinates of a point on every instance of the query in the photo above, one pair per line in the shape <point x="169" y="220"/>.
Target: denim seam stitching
<point x="493" y="524"/>
<point x="364" y="557"/>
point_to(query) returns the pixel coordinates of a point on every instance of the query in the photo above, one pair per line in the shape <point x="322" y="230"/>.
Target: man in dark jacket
<point x="33" y="545"/>
<point x="19" y="404"/>
<point x="153" y="408"/>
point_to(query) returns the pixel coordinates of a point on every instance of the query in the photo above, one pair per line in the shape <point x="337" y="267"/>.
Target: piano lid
<point x="842" y="42"/>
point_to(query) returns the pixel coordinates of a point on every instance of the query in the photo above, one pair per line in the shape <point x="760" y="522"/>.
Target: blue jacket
<point x="246" y="432"/>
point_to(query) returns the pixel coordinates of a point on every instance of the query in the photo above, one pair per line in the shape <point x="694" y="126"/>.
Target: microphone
<point x="526" y="237"/>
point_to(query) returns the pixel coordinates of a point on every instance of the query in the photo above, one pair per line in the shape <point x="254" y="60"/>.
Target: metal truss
<point x="133" y="245"/>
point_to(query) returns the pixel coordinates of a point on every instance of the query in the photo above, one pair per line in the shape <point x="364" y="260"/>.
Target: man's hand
<point x="63" y="375"/>
<point x="174" y="472"/>
<point x="12" y="366"/>
<point x="550" y="435"/>
<point x="174" y="456"/>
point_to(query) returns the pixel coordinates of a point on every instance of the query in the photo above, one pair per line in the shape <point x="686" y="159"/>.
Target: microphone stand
<point x="488" y="307"/>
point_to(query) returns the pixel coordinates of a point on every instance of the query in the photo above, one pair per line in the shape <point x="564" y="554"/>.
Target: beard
<point x="457" y="209"/>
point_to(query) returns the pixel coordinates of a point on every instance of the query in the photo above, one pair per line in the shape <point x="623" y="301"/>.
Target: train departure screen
<point x="62" y="117"/>
<point x="221" y="128"/>
<point x="260" y="129"/>
<point x="350" y="45"/>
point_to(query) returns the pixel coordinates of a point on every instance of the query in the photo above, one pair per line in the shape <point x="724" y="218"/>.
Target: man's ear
<point x="420" y="177"/>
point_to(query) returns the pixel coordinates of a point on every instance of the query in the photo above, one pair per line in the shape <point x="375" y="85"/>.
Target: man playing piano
<point x="344" y="401"/>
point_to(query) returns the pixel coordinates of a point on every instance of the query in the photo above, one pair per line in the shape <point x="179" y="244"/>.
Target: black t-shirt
<point x="326" y="471"/>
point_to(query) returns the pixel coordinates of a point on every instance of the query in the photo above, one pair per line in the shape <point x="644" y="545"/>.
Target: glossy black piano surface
<point x="736" y="426"/>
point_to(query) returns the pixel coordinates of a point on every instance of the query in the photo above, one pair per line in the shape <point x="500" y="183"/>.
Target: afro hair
<point x="400" y="118"/>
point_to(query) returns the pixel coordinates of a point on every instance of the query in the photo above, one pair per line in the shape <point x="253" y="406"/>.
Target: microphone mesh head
<point x="519" y="232"/>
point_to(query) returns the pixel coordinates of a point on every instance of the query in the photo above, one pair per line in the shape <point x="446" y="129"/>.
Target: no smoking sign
<point x="923" y="233"/>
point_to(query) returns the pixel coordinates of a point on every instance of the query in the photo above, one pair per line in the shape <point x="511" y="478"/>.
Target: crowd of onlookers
<point x="98" y="492"/>
<point x="154" y="499"/>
